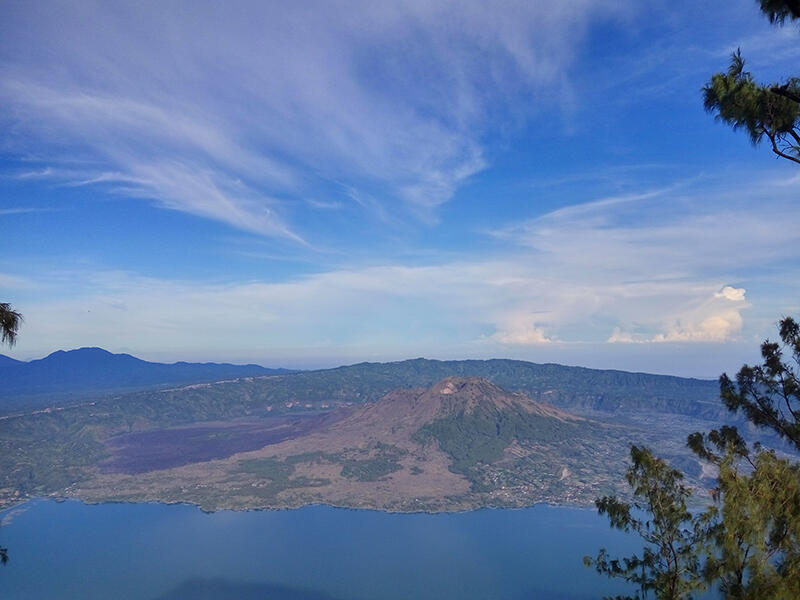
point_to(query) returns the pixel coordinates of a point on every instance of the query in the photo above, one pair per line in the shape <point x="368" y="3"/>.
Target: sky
<point x="320" y="183"/>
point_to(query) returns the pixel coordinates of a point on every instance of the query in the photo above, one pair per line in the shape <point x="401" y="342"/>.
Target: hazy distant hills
<point x="572" y="388"/>
<point x="93" y="371"/>
<point x="7" y="361"/>
<point x="64" y="376"/>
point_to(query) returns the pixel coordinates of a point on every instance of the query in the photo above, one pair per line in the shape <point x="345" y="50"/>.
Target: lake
<point x="66" y="550"/>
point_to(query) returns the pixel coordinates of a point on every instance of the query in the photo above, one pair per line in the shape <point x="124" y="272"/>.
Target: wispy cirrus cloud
<point x="597" y="273"/>
<point x="23" y="210"/>
<point x="226" y="113"/>
<point x="660" y="265"/>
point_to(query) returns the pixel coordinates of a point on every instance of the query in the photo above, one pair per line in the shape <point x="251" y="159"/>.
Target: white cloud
<point x="220" y="111"/>
<point x="731" y="293"/>
<point x="653" y="266"/>
<point x="621" y="337"/>
<point x="598" y="273"/>
<point x="715" y="319"/>
<point x="20" y="211"/>
<point x="521" y="330"/>
<point x="715" y="328"/>
<point x="668" y="233"/>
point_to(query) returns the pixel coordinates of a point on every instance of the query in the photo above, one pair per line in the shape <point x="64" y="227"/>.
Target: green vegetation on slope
<point x="274" y="475"/>
<point x="746" y="544"/>
<point x="372" y="469"/>
<point x="480" y="437"/>
<point x="44" y="453"/>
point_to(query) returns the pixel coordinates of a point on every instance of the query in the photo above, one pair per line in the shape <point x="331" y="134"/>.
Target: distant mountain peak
<point x="84" y="352"/>
<point x="92" y="370"/>
<point x="410" y="409"/>
<point x="81" y="350"/>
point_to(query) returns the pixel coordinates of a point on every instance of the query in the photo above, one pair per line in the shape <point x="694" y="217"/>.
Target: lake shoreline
<point x="62" y="499"/>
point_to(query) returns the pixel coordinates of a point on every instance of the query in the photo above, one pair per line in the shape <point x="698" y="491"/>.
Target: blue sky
<point x="332" y="182"/>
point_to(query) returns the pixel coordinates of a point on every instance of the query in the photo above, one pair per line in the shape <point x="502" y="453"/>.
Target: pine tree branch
<point x="787" y="399"/>
<point x="783" y="90"/>
<point x="779" y="153"/>
<point x="767" y="411"/>
<point x="796" y="137"/>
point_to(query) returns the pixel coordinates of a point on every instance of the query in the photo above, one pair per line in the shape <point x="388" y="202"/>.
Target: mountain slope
<point x="7" y="361"/>
<point x="462" y="443"/>
<point x="403" y="414"/>
<point x="95" y="371"/>
<point x="576" y="389"/>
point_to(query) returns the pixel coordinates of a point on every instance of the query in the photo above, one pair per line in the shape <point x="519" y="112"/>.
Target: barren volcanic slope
<point x="461" y="444"/>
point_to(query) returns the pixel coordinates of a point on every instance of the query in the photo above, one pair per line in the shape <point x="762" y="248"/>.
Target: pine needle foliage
<point x="763" y="111"/>
<point x="746" y="544"/>
<point x="756" y="515"/>
<point x="754" y="522"/>
<point x="9" y="324"/>
<point x="780" y="10"/>
<point x="737" y="100"/>
<point x="669" y="566"/>
<point x="769" y="394"/>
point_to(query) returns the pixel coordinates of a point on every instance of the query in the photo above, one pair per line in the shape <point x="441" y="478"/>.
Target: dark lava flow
<point x="166" y="448"/>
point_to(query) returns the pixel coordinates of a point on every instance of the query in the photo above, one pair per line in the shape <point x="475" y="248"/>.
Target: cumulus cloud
<point x="521" y="331"/>
<point x="731" y="293"/>
<point x="223" y="112"/>
<point x="652" y="266"/>
<point x="715" y="328"/>
<point x="621" y="337"/>
<point x="714" y="319"/>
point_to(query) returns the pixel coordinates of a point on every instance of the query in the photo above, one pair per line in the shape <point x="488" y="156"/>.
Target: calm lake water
<point x="157" y="552"/>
